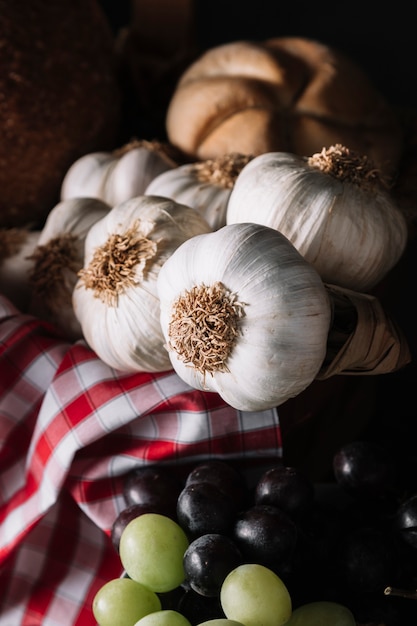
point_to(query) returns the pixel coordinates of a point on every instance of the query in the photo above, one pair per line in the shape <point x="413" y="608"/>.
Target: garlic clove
<point x="84" y="177"/>
<point x="131" y="174"/>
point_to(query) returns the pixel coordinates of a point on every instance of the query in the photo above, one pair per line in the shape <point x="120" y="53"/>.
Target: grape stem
<point x="402" y="593"/>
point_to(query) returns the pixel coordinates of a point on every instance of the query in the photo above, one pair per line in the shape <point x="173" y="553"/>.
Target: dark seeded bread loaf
<point x="59" y="99"/>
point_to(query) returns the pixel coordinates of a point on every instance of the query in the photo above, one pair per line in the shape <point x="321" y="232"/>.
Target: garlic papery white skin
<point x="333" y="207"/>
<point x="244" y="315"/>
<point x="58" y="257"/>
<point x="16" y="247"/>
<point x="204" y="185"/>
<point x="116" y="298"/>
<point x="119" y="175"/>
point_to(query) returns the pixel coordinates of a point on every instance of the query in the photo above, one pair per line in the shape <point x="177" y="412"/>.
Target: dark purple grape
<point x="287" y="488"/>
<point x="126" y="515"/>
<point x="365" y="469"/>
<point x="153" y="485"/>
<point x="368" y="560"/>
<point x="222" y="475"/>
<point x="266" y="535"/>
<point x="406" y="521"/>
<point x="202" y="508"/>
<point x="208" y="560"/>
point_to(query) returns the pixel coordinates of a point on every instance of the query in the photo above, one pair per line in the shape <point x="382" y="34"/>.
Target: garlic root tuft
<point x="347" y="165"/>
<point x="51" y="263"/>
<point x="221" y="171"/>
<point x="164" y="150"/>
<point x="204" y="326"/>
<point x="115" y="265"/>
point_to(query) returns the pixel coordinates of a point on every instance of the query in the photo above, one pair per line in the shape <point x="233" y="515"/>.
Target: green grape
<point x="221" y="621"/>
<point x="254" y="595"/>
<point x="321" y="614"/>
<point x="152" y="549"/>
<point x="122" y="602"/>
<point x="167" y="617"/>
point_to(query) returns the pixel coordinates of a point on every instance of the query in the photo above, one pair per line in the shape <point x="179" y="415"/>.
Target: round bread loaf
<point x="59" y="98"/>
<point x="284" y="94"/>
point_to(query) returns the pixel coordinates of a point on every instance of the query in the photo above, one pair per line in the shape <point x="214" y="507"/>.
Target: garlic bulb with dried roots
<point x="332" y="206"/>
<point x="119" y="175"/>
<point x="244" y="315"/>
<point x="115" y="299"/>
<point x="16" y="248"/>
<point x="58" y="257"/>
<point x="204" y="185"/>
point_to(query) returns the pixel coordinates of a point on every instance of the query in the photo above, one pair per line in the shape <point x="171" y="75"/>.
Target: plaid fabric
<point x="70" y="430"/>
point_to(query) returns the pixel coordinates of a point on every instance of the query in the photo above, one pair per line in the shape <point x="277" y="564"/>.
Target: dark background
<point x="381" y="38"/>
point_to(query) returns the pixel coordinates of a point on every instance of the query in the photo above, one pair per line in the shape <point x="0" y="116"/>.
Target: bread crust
<point x="302" y="96"/>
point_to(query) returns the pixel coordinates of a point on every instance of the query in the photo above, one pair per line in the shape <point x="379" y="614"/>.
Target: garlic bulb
<point x="58" y="257"/>
<point x="17" y="246"/>
<point x="333" y="207"/>
<point x="204" y="185"/>
<point x="115" y="299"/>
<point x="119" y="175"/>
<point x="244" y="315"/>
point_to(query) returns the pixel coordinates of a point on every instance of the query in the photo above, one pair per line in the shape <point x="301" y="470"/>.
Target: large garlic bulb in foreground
<point x="244" y="315"/>
<point x="332" y="206"/>
<point x="115" y="298"/>
<point x="204" y="185"/>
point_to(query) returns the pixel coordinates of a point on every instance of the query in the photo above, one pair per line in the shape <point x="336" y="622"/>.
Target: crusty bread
<point x="284" y="94"/>
<point x="59" y="99"/>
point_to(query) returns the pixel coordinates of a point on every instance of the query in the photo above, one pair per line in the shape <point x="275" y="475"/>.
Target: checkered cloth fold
<point x="70" y="429"/>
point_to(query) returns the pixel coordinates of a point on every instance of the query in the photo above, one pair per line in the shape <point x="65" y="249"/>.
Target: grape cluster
<point x="207" y="548"/>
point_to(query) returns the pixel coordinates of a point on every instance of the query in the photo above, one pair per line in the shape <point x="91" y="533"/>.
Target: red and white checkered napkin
<point x="70" y="429"/>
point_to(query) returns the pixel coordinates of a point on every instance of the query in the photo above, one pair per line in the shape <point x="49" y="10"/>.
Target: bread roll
<point x="285" y="94"/>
